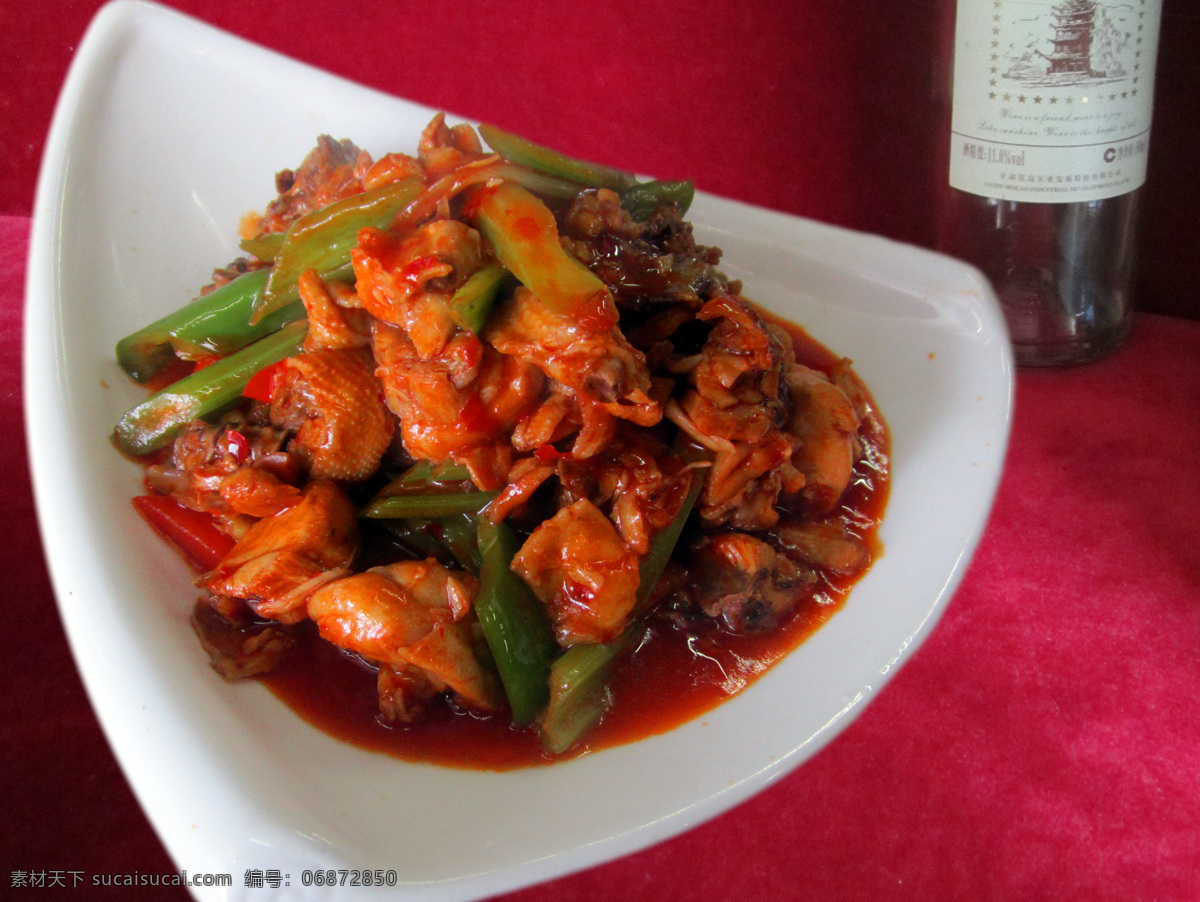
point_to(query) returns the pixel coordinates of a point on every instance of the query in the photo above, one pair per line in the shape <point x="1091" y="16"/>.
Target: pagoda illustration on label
<point x="1073" y="42"/>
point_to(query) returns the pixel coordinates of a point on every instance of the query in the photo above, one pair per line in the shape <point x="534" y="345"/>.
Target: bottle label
<point x="1052" y="98"/>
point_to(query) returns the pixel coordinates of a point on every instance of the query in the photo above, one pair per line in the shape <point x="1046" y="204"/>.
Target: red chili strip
<point x="193" y="533"/>
<point x="238" y="444"/>
<point x="262" y="384"/>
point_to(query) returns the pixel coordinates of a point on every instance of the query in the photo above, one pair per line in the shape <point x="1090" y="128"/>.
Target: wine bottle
<point x="1050" y="111"/>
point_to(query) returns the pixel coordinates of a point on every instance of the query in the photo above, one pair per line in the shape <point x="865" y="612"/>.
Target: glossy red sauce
<point x="671" y="678"/>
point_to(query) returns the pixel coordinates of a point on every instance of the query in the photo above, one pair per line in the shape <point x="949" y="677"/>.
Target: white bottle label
<point x="1052" y="98"/>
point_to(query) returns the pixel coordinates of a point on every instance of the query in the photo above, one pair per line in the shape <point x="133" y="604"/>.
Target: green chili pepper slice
<point x="427" y="507"/>
<point x="526" y="153"/>
<point x="217" y="323"/>
<point x="514" y="624"/>
<point x="157" y="420"/>
<point x="323" y="239"/>
<point x="642" y="199"/>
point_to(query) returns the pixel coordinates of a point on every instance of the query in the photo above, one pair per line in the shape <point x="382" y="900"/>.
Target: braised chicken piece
<point x="560" y="414"/>
<point x="637" y="481"/>
<point x="825" y="425"/>
<point x="737" y="405"/>
<point x="332" y="401"/>
<point x="332" y="171"/>
<point x="230" y="469"/>
<point x="646" y="264"/>
<point x="391" y="168"/>
<point x="460" y="405"/>
<point x="744" y="582"/>
<point x="826" y="545"/>
<point x="257" y="492"/>
<point x="582" y="350"/>
<point x="238" y="651"/>
<point x="443" y="148"/>
<point x="579" y="568"/>
<point x="334" y="320"/>
<point x="409" y="282"/>
<point x="405" y="616"/>
<point x="281" y="559"/>
<point x="405" y="693"/>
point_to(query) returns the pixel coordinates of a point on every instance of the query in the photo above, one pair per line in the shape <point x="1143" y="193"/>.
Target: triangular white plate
<point x="167" y="131"/>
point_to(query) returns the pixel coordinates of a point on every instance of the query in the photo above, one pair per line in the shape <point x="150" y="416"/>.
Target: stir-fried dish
<point x="487" y="420"/>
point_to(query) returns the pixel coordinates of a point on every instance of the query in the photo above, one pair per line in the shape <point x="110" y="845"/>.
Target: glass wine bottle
<point x="1050" y="111"/>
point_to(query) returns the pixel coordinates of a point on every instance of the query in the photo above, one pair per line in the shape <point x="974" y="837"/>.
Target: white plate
<point x="166" y="133"/>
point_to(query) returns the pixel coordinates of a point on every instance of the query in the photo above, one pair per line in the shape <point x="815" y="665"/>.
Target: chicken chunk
<point x="744" y="582"/>
<point x="281" y="559"/>
<point x="332" y="399"/>
<point x="824" y="423"/>
<point x="408" y="615"/>
<point x="580" y="570"/>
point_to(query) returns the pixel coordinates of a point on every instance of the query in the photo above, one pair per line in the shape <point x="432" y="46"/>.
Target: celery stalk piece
<point x="473" y="301"/>
<point x="514" y="624"/>
<point x="425" y="473"/>
<point x="459" y="534"/>
<point x="524" y="235"/>
<point x="578" y="680"/>
<point x="157" y="420"/>
<point x="217" y="323"/>
<point x="323" y="239"/>
<point x="416" y="535"/>
<point x="642" y="199"/>
<point x="535" y="156"/>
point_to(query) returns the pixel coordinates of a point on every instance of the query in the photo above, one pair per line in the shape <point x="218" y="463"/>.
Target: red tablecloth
<point x="1044" y="743"/>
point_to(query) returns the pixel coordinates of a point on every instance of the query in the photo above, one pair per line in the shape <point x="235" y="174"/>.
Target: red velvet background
<point x="1045" y="742"/>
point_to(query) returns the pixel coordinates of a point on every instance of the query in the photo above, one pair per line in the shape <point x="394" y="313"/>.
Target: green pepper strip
<point x="471" y="304"/>
<point x="417" y="535"/>
<point x="578" y="677"/>
<point x="427" y="507"/>
<point x="514" y="624"/>
<point x="641" y="200"/>
<point x="524" y="235"/>
<point x="526" y="153"/>
<point x="460" y="535"/>
<point x="425" y="474"/>
<point x="444" y="538"/>
<point x="540" y="183"/>
<point x="322" y="240"/>
<point x="157" y="420"/>
<point x="216" y="323"/>
<point x="265" y="246"/>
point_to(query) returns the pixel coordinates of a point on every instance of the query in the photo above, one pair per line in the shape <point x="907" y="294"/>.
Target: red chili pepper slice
<point x="261" y="386"/>
<point x="548" y="454"/>
<point x="195" y="534"/>
<point x="208" y="360"/>
<point x="239" y="445"/>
